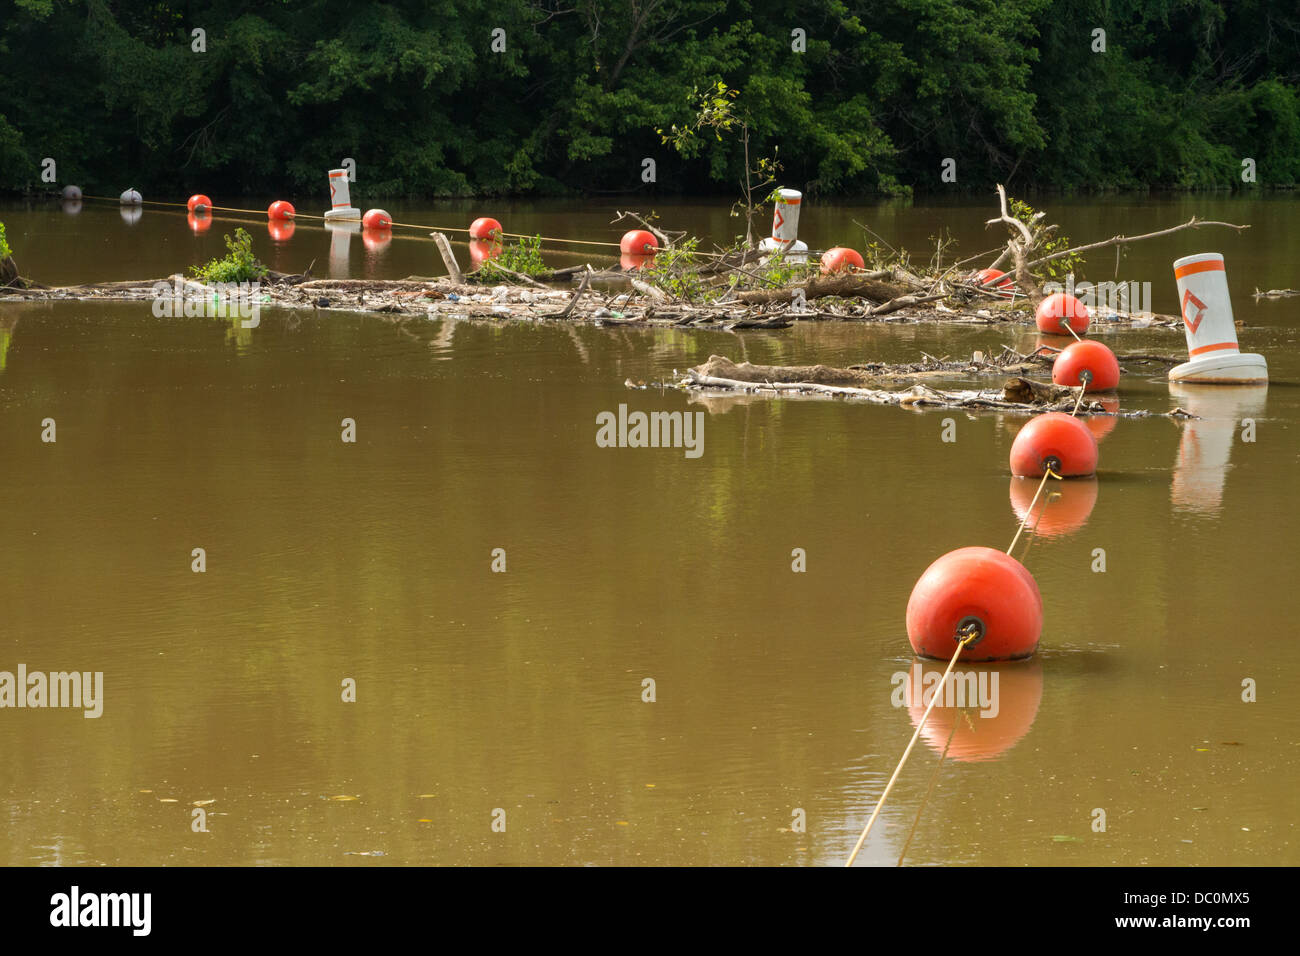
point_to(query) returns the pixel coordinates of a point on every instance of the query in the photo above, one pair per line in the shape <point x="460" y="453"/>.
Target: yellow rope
<point x="961" y="645"/>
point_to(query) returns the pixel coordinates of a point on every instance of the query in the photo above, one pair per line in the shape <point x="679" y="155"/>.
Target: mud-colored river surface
<point x="500" y="716"/>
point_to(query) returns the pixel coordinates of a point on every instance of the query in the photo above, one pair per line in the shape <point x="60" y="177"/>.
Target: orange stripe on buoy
<point x="1209" y="265"/>
<point x="1212" y="348"/>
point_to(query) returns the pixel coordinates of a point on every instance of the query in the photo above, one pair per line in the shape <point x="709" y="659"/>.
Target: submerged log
<point x="869" y="285"/>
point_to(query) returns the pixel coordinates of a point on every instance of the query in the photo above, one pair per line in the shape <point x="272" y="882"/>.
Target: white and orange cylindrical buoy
<point x="341" y="197"/>
<point x="1060" y="310"/>
<point x="199" y="203"/>
<point x="1054" y="440"/>
<point x="1087" y="363"/>
<point x="638" y="242"/>
<point x="1062" y="508"/>
<point x="485" y="228"/>
<point x="979" y="592"/>
<point x="1212" y="352"/>
<point x="785" y="224"/>
<point x="377" y="219"/>
<point x="280" y="209"/>
<point x="841" y="259"/>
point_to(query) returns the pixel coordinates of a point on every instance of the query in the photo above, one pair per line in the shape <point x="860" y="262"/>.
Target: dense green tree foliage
<point x="878" y="97"/>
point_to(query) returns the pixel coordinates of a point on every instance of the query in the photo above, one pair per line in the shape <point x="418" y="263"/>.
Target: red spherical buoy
<point x="485" y="228"/>
<point x="1063" y="507"/>
<point x="638" y="242"/>
<point x="280" y="209"/>
<point x="1006" y="285"/>
<point x="1058" y="310"/>
<point x="481" y="250"/>
<point x="281" y="230"/>
<point x="1057" y="440"/>
<point x="197" y="223"/>
<point x="841" y="259"/>
<point x="376" y="219"/>
<point x="975" y="591"/>
<point x="199" y="203"/>
<point x="1089" y="364"/>
<point x="631" y="262"/>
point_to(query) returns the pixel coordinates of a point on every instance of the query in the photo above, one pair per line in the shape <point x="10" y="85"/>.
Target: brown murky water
<point x="522" y="691"/>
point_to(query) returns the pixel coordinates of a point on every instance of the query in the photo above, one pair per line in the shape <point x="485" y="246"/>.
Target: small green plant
<point x="780" y="271"/>
<point x="5" y="251"/>
<point x="1057" y="269"/>
<point x="676" y="270"/>
<point x="524" y="257"/>
<point x="238" y="265"/>
<point x="715" y="110"/>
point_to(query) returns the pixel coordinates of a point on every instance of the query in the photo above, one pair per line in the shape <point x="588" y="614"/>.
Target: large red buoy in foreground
<point x="1058" y="310"/>
<point x="1055" y="439"/>
<point x="377" y="219"/>
<point x="975" y="591"/>
<point x="485" y="228"/>
<point x="199" y="203"/>
<point x="280" y="209"/>
<point x="638" y="242"/>
<point x="1090" y="364"/>
<point x="841" y="259"/>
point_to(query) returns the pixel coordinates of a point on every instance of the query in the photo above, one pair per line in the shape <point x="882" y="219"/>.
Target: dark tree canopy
<point x="883" y="93"/>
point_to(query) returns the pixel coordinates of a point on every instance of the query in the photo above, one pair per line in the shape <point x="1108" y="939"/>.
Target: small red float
<point x="485" y="228"/>
<point x="975" y="591"/>
<point x="638" y="242"/>
<point x="1006" y="286"/>
<point x="199" y="203"/>
<point x="481" y="250"/>
<point x="197" y="223"/>
<point x="1090" y="364"/>
<point x="376" y="219"/>
<point x="631" y="262"/>
<point x="1057" y="310"/>
<point x="841" y="259"/>
<point x="1055" y="439"/>
<point x="280" y="209"/>
<point x="1068" y="506"/>
<point x="281" y="230"/>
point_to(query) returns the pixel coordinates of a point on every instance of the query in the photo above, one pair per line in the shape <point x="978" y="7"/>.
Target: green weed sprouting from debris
<point x="676" y="270"/>
<point x="5" y="251"/>
<point x="780" y="271"/>
<point x="238" y="265"/>
<point x="524" y="257"/>
<point x="1057" y="269"/>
